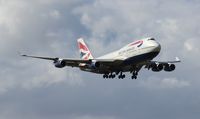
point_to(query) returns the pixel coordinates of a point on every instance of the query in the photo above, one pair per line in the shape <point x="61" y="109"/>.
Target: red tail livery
<point x="84" y="50"/>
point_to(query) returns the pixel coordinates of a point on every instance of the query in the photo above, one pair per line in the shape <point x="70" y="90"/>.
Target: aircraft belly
<point x="140" y="58"/>
<point x="106" y="70"/>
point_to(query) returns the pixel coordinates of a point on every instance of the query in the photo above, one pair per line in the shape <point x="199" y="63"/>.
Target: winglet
<point x="177" y="59"/>
<point x="24" y="55"/>
<point x="19" y="53"/>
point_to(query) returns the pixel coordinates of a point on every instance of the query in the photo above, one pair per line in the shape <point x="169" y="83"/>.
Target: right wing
<point x="177" y="60"/>
<point x="159" y="65"/>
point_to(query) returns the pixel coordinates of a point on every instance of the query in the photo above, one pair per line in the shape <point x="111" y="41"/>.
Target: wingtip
<point x="23" y="55"/>
<point x="19" y="53"/>
<point x="177" y="59"/>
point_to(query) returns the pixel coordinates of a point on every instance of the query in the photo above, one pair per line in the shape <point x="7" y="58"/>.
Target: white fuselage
<point x="137" y="48"/>
<point x="135" y="53"/>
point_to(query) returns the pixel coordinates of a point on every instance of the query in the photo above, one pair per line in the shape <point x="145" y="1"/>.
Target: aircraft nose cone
<point x="157" y="47"/>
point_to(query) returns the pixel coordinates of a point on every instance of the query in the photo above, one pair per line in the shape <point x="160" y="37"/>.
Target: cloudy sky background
<point x="34" y="89"/>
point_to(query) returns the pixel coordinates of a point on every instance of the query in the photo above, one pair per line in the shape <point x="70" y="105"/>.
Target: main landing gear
<point x="134" y="74"/>
<point x="111" y="75"/>
<point x="120" y="75"/>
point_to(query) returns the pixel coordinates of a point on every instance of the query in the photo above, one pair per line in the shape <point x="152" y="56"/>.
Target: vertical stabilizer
<point x="84" y="50"/>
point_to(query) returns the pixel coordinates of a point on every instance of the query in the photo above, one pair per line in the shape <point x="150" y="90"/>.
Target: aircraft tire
<point x="113" y="76"/>
<point x="134" y="77"/>
<point x="123" y="76"/>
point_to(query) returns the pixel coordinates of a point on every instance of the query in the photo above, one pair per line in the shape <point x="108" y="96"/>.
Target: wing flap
<point x="76" y="62"/>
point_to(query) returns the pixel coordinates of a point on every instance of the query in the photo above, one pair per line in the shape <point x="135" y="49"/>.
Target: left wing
<point x="46" y="58"/>
<point x="67" y="62"/>
<point x="76" y="62"/>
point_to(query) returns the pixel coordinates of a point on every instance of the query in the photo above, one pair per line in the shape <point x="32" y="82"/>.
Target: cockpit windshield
<point x="151" y="39"/>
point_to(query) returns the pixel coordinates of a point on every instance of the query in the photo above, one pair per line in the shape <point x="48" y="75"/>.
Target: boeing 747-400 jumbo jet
<point x="130" y="58"/>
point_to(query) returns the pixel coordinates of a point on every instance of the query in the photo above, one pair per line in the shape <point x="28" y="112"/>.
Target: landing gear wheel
<point x="113" y="76"/>
<point x="117" y="72"/>
<point x="123" y="76"/>
<point x="134" y="77"/>
<point x="105" y="76"/>
<point x="136" y="73"/>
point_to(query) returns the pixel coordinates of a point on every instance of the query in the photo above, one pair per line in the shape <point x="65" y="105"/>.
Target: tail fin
<point x="84" y="50"/>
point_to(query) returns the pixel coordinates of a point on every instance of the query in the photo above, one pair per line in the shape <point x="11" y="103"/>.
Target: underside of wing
<point x="93" y="63"/>
<point x="108" y="62"/>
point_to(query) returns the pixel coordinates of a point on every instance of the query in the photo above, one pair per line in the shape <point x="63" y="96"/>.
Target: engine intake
<point x="95" y="64"/>
<point x="170" y="67"/>
<point x="157" y="67"/>
<point x="59" y="63"/>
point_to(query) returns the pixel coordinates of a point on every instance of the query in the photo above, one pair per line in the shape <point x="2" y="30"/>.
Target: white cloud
<point x="55" y="14"/>
<point x="191" y="45"/>
<point x="50" y="77"/>
<point x="23" y="26"/>
<point x="173" y="83"/>
<point x="164" y="83"/>
<point x="50" y="28"/>
<point x="9" y="16"/>
<point x="6" y="84"/>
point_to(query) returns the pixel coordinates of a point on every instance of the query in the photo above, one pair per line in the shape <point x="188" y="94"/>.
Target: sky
<point x="35" y="89"/>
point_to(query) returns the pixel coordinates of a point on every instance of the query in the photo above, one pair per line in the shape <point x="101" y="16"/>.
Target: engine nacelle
<point x="94" y="64"/>
<point x="157" y="67"/>
<point x="59" y="63"/>
<point x="169" y="67"/>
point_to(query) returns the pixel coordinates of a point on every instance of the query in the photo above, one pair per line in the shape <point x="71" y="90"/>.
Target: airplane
<point x="130" y="58"/>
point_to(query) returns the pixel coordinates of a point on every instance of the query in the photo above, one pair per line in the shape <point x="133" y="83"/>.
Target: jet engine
<point x="157" y="67"/>
<point x="169" y="67"/>
<point x="94" y="64"/>
<point x="59" y="63"/>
